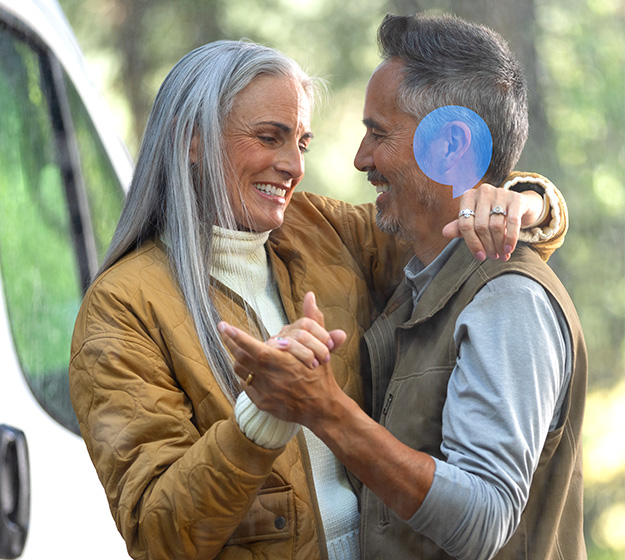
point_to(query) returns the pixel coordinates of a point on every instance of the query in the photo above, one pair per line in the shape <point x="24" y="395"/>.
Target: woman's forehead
<point x="273" y="99"/>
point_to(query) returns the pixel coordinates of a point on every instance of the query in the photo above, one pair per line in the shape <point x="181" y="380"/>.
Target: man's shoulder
<point x="513" y="285"/>
<point x="528" y="274"/>
<point x="524" y="257"/>
<point x="524" y="262"/>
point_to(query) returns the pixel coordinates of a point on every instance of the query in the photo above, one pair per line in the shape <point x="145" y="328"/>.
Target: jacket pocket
<point x="415" y="413"/>
<point x="271" y="517"/>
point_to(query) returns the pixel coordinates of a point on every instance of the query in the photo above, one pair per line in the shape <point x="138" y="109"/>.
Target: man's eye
<point x="267" y="139"/>
<point x="303" y="148"/>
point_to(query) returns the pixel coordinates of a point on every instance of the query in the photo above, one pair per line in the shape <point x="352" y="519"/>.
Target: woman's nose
<point x="291" y="161"/>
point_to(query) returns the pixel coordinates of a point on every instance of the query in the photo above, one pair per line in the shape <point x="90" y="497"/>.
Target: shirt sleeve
<point x="504" y="396"/>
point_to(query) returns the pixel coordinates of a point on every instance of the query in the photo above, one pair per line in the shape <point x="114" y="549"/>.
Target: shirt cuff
<point x="261" y="427"/>
<point x="447" y="494"/>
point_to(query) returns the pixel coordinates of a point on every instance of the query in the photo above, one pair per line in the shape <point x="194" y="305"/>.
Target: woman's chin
<point x="263" y="224"/>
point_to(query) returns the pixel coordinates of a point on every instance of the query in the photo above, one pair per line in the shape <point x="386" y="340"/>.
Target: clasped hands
<point x="293" y="379"/>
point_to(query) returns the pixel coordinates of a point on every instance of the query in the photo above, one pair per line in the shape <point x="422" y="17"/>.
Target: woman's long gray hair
<point x="171" y="198"/>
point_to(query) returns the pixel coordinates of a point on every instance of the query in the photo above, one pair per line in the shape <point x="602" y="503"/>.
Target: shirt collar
<point x="419" y="276"/>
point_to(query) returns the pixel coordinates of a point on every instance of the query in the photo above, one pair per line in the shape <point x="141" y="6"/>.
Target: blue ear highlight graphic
<point x="440" y="134"/>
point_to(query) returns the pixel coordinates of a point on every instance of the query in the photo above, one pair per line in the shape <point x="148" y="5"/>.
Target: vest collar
<point x="455" y="272"/>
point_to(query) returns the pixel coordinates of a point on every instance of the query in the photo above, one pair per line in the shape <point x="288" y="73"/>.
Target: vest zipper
<point x="389" y="400"/>
<point x="384" y="514"/>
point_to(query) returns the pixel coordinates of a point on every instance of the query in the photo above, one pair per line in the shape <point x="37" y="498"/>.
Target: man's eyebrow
<point x="370" y="123"/>
<point x="287" y="129"/>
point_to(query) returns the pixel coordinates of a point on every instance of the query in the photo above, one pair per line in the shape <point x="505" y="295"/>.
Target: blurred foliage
<point x="573" y="52"/>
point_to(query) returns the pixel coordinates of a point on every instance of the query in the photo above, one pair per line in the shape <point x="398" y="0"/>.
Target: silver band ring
<point x="466" y="213"/>
<point x="498" y="210"/>
<point x="249" y="379"/>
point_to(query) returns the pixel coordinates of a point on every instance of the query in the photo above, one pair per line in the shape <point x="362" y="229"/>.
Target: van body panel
<point x="69" y="514"/>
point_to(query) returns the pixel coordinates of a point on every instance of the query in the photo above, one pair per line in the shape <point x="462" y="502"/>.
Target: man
<point x="477" y="369"/>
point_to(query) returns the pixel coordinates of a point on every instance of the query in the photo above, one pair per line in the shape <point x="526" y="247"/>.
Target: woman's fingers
<point x="306" y="339"/>
<point x="311" y="352"/>
<point x="490" y="221"/>
<point x="466" y="223"/>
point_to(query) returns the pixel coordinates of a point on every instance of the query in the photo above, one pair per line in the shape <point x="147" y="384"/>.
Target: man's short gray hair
<point x="449" y="61"/>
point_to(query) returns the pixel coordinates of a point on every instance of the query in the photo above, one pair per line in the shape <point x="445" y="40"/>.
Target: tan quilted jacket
<point x="181" y="479"/>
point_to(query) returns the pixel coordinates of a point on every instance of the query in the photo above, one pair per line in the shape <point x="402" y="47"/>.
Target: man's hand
<point x="494" y="235"/>
<point x="290" y="390"/>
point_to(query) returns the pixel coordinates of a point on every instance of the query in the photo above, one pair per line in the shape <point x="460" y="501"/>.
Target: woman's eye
<point x="267" y="139"/>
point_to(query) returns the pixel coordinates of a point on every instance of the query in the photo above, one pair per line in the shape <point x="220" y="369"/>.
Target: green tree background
<point x="573" y="52"/>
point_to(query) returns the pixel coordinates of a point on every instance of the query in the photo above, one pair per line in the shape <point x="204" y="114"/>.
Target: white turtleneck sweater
<point x="237" y="251"/>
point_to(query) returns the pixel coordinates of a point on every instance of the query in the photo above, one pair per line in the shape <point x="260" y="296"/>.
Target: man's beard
<point x="425" y="201"/>
<point x="387" y="224"/>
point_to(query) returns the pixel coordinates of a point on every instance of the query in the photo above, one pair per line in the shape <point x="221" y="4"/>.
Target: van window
<point x="42" y="250"/>
<point x="104" y="193"/>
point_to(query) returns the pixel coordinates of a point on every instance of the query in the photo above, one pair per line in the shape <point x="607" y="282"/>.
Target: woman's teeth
<point x="270" y="189"/>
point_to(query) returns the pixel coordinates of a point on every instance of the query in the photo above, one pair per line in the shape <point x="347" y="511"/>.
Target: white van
<point x="63" y="172"/>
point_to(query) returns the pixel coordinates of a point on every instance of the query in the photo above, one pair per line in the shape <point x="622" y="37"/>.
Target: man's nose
<point x="363" y="161"/>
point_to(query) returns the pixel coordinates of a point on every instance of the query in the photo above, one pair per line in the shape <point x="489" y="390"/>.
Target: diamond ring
<point x="466" y="213"/>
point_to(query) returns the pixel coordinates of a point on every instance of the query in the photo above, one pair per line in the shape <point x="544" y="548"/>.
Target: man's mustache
<point x="376" y="177"/>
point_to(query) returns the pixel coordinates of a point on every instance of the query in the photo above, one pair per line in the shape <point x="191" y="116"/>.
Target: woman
<point x="204" y="237"/>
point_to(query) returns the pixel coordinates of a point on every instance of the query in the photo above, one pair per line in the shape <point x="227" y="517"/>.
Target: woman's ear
<point x="194" y="147"/>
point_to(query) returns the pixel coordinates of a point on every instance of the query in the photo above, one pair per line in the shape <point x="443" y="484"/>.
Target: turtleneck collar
<point x="234" y="251"/>
<point x="242" y="242"/>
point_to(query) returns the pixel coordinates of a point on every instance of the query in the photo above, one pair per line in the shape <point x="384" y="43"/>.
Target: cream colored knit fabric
<point x="237" y="251"/>
<point x="234" y="251"/>
<point x="337" y="502"/>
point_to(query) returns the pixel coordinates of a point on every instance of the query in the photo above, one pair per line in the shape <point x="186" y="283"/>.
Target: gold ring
<point x="249" y="379"/>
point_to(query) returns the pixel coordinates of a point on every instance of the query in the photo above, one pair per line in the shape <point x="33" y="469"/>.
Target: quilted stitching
<point x="181" y="478"/>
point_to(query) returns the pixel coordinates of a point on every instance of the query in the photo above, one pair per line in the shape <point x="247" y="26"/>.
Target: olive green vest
<point x="411" y="357"/>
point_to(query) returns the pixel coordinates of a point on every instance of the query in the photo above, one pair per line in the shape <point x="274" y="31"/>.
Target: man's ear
<point x="455" y="141"/>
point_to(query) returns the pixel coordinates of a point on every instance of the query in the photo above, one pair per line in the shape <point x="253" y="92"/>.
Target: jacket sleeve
<point x="383" y="257"/>
<point x="173" y="492"/>
<point x="545" y="239"/>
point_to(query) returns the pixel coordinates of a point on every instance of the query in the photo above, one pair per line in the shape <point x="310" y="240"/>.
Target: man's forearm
<point x="399" y="475"/>
<point x="292" y="391"/>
